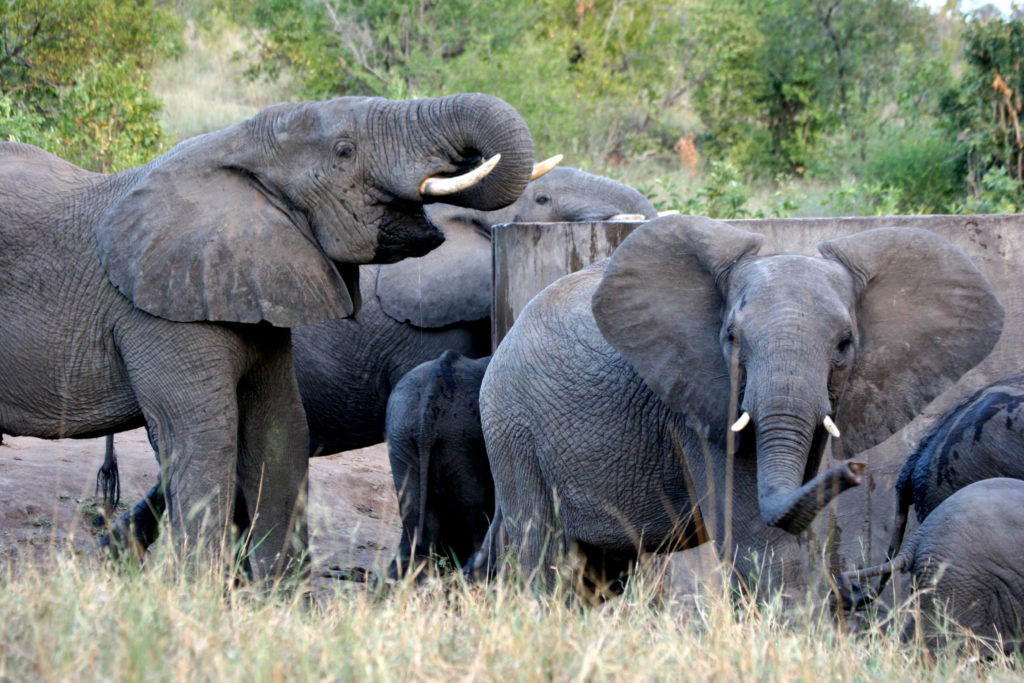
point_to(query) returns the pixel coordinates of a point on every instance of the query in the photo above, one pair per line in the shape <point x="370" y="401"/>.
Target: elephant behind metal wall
<point x="165" y="293"/>
<point x="610" y="401"/>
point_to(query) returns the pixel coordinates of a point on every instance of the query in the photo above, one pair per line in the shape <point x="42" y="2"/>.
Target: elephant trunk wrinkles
<point x="475" y="125"/>
<point x="784" y="441"/>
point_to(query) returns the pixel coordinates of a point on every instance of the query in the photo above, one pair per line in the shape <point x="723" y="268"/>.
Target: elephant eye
<point x="542" y="199"/>
<point x="844" y="344"/>
<point x="344" y="149"/>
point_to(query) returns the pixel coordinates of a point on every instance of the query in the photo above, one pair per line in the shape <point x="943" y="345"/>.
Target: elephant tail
<point x="855" y="596"/>
<point x="904" y="499"/>
<point x="108" y="479"/>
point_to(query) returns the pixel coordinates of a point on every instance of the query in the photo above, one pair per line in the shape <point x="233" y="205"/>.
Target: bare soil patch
<point x="48" y="498"/>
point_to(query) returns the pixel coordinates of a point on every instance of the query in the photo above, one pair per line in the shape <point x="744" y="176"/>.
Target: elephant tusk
<point x="627" y="217"/>
<point x="437" y="186"/>
<point x="668" y="212"/>
<point x="545" y="166"/>
<point x="830" y="427"/>
<point x="742" y="422"/>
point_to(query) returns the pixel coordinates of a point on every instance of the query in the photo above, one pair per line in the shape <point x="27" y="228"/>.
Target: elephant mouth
<point x="405" y="232"/>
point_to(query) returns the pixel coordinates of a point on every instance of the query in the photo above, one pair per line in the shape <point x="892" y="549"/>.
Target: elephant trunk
<point x="469" y="128"/>
<point x="785" y="438"/>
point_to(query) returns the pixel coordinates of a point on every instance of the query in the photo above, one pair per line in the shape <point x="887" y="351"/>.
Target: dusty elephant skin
<point x="438" y="461"/>
<point x="965" y="560"/>
<point x="607" y="408"/>
<point x="416" y="309"/>
<point x="165" y="293"/>
<point x="412" y="312"/>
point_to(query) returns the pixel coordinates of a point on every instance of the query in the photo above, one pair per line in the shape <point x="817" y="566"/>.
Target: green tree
<point x="73" y="76"/>
<point x="983" y="112"/>
<point x="774" y="79"/>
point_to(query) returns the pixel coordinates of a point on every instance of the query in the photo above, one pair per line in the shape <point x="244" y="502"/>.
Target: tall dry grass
<point x="71" y="618"/>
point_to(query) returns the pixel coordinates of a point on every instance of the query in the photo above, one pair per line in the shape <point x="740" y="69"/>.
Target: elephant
<point x="965" y="559"/>
<point x="979" y="438"/>
<point x="165" y="294"/>
<point x="416" y="309"/>
<point x="412" y="312"/>
<point x="438" y="462"/>
<point x="684" y="390"/>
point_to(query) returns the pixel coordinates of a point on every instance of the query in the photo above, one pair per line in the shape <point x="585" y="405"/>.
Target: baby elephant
<point x="438" y="461"/>
<point x="966" y="558"/>
<point x="980" y="438"/>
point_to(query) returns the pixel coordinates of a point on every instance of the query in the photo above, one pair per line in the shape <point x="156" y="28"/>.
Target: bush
<point x="74" y="77"/>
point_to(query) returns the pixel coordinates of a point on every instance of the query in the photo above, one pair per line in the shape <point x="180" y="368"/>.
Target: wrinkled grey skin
<point x="416" y="309"/>
<point x="412" y="312"/>
<point x="438" y="462"/>
<point x="609" y="400"/>
<point x="165" y="294"/>
<point x="980" y="438"/>
<point x="965" y="558"/>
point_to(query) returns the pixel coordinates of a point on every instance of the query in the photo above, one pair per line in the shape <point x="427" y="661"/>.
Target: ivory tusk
<point x="543" y="167"/>
<point x="668" y="212"/>
<point x="742" y="422"/>
<point x="830" y="427"/>
<point x="437" y="186"/>
<point x="627" y="217"/>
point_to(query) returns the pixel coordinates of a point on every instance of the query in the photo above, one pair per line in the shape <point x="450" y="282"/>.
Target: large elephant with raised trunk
<point x="165" y="294"/>
<point x="685" y="390"/>
<point x="413" y="311"/>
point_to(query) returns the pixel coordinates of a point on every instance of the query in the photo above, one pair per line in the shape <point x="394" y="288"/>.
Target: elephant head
<point x="865" y="337"/>
<point x="424" y="291"/>
<point x="265" y="220"/>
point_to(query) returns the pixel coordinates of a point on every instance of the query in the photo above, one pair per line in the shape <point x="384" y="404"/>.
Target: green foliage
<point x="982" y="114"/>
<point x="73" y="74"/>
<point x="864" y="198"/>
<point x="775" y="78"/>
<point x="590" y="77"/>
<point x="724" y="194"/>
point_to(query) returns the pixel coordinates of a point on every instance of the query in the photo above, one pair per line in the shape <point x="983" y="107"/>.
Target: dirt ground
<point x="47" y="499"/>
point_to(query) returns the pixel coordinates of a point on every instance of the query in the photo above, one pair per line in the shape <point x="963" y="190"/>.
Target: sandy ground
<point x="47" y="498"/>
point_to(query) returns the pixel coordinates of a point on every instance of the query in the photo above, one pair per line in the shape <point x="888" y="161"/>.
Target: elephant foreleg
<point x="273" y="463"/>
<point x="185" y="378"/>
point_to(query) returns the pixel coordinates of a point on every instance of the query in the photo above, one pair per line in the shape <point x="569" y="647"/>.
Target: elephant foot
<point x="355" y="574"/>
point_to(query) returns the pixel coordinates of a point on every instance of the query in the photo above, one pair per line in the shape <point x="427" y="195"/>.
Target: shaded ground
<point x="47" y="498"/>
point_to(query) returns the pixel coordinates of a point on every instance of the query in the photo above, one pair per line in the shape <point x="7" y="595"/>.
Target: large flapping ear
<point x="660" y="305"/>
<point x="198" y="238"/>
<point x="926" y="315"/>
<point x="450" y="284"/>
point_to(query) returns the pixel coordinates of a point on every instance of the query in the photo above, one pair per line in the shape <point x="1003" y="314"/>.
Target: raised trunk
<point x="469" y="128"/>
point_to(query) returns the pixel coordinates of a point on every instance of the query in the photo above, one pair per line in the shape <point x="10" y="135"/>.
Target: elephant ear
<point x="450" y="284"/>
<point x="926" y="315"/>
<point x="198" y="238"/>
<point x="660" y="305"/>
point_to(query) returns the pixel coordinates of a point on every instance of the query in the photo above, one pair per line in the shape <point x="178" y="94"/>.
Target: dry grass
<point x="205" y="89"/>
<point x="73" y="619"/>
